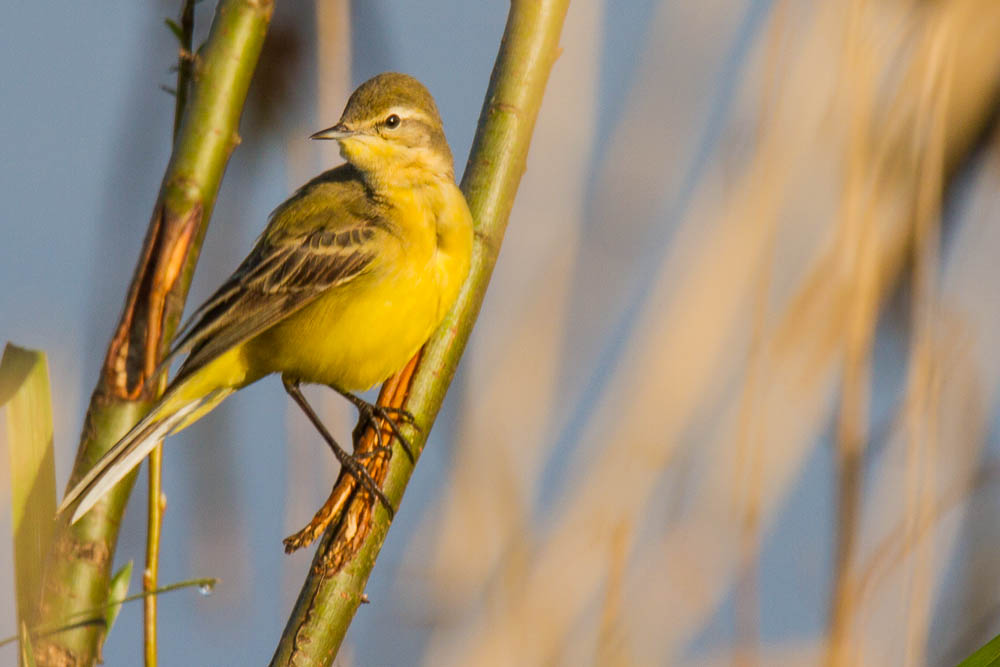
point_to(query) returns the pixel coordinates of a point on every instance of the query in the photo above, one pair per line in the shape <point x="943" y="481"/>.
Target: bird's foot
<point x="370" y="413"/>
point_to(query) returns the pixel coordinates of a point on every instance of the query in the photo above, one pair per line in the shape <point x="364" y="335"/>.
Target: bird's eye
<point x="392" y="122"/>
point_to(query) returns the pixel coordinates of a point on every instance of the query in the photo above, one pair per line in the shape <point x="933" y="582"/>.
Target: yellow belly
<point x="358" y="334"/>
<point x="355" y="336"/>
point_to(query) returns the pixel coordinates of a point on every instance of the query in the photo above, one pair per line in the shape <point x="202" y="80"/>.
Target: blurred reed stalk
<point x="306" y="476"/>
<point x="856" y="85"/>
<point x="920" y="413"/>
<point x="937" y="112"/>
<point x="747" y="485"/>
<point x="332" y="594"/>
<point x="79" y="567"/>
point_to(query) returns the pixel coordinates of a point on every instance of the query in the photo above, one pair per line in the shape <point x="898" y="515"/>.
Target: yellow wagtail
<point x="350" y="277"/>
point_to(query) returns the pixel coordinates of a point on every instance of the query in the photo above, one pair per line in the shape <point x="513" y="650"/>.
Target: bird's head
<point x="391" y="131"/>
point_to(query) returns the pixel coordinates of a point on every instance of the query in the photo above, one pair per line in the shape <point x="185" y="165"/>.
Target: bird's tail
<point x="179" y="407"/>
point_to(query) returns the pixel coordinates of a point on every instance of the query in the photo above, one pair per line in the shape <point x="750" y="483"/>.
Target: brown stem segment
<point x="80" y="562"/>
<point x="335" y="586"/>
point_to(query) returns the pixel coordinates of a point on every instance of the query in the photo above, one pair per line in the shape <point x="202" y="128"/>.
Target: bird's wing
<point x="282" y="274"/>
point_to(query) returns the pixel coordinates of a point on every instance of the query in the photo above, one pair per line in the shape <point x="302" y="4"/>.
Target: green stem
<point x="156" y="502"/>
<point x="79" y="566"/>
<point x="529" y="47"/>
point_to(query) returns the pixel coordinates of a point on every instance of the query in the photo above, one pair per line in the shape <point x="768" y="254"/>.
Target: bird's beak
<point x="338" y="131"/>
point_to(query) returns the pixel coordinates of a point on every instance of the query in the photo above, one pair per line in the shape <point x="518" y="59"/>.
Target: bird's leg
<point x="368" y="412"/>
<point x="358" y="471"/>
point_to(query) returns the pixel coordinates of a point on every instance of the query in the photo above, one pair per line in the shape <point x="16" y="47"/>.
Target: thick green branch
<point x="330" y="596"/>
<point x="80" y="563"/>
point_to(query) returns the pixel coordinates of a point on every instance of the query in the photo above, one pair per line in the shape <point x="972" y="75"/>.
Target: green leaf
<point x="24" y="395"/>
<point x="117" y="591"/>
<point x="176" y="29"/>
<point x="27" y="650"/>
<point x="987" y="656"/>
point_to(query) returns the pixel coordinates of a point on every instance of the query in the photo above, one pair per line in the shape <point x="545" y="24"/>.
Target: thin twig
<point x="157" y="502"/>
<point x="96" y="616"/>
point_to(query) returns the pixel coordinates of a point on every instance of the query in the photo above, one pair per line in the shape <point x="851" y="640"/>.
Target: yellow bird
<point x="350" y="277"/>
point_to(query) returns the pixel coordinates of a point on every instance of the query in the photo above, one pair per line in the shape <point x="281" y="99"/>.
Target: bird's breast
<point x="356" y="335"/>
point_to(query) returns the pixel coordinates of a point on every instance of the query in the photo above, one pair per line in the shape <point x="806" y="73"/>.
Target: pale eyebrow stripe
<point x="409" y="113"/>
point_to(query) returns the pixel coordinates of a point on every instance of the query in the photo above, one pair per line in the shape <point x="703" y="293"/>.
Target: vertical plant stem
<point x="151" y="574"/>
<point x="529" y="47"/>
<point x="156" y="501"/>
<point x="80" y="560"/>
